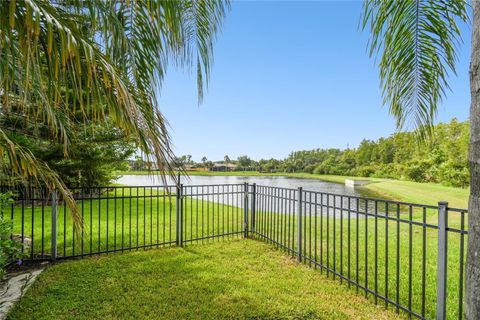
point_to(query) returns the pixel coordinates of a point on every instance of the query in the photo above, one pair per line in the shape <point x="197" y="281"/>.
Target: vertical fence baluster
<point x="197" y="215"/>
<point x="328" y="235"/>
<point x="376" y="252"/>
<point x="334" y="237"/>
<point x="108" y="220"/>
<point x="462" y="249"/>
<point x="315" y="226"/>
<point x="144" y="217"/>
<point x="341" y="239"/>
<point x="223" y="212"/>
<point x="299" y="214"/>
<point x="123" y="218"/>
<point x="410" y="258"/>
<point x="54" y="225"/>
<point x="82" y="194"/>
<point x="178" y="222"/>
<point x="43" y="224"/>
<point x="424" y="258"/>
<point x="253" y="209"/>
<point x="442" y="260"/>
<point x="366" y="248"/>
<point x="386" y="254"/>
<point x="397" y="297"/>
<point x="32" y="236"/>
<point x="357" y="208"/>
<point x="245" y="210"/>
<point x="348" y="240"/>
<point x="203" y="211"/>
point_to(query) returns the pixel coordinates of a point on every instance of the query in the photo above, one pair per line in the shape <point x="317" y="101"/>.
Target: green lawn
<point x="424" y="193"/>
<point x="241" y="279"/>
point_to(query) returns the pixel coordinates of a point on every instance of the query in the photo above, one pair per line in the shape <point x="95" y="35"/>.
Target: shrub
<point x="9" y="250"/>
<point x="310" y="168"/>
<point x="365" y="171"/>
<point x="454" y="174"/>
<point x="416" y="170"/>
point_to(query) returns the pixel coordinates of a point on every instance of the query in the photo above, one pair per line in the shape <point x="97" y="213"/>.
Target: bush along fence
<point x="405" y="256"/>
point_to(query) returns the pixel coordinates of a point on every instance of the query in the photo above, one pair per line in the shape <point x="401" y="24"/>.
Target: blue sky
<point x="289" y="76"/>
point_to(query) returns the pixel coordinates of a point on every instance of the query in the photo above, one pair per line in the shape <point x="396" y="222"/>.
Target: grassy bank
<point x="237" y="280"/>
<point x="425" y="193"/>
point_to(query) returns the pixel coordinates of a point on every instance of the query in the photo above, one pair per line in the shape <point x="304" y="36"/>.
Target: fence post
<point x="245" y="209"/>
<point x="254" y="199"/>
<point x="299" y="212"/>
<point x="54" y="225"/>
<point x="178" y="216"/>
<point x="442" y="260"/>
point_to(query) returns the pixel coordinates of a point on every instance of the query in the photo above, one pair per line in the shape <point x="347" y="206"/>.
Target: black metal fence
<point x="394" y="253"/>
<point x="124" y="218"/>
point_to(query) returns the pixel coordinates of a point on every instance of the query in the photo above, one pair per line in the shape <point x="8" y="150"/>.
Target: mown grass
<point x="357" y="248"/>
<point x="241" y="279"/>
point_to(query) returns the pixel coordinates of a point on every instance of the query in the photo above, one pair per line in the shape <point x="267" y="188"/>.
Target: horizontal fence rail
<point x="394" y="253"/>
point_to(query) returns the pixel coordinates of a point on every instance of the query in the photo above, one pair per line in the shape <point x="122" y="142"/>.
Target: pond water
<point x="228" y="190"/>
<point x="283" y="182"/>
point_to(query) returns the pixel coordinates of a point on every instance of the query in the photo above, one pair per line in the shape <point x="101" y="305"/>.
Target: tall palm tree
<point x="104" y="59"/>
<point x="416" y="41"/>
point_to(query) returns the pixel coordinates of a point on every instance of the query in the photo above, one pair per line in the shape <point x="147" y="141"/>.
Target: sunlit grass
<point x="241" y="279"/>
<point x="357" y="248"/>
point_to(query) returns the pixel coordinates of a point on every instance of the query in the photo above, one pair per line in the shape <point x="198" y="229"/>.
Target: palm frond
<point x="24" y="164"/>
<point x="103" y="59"/>
<point x="417" y="41"/>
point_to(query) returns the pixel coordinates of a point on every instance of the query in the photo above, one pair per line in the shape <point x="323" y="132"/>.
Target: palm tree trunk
<point x="472" y="297"/>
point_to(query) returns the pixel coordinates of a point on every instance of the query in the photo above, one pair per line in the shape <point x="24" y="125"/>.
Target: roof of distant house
<point x="228" y="165"/>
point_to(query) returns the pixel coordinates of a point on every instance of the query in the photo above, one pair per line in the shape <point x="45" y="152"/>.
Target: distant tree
<point x="226" y="159"/>
<point x="139" y="164"/>
<point x="244" y="161"/>
<point x="209" y="164"/>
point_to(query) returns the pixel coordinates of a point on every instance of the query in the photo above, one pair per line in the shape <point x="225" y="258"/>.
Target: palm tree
<point x="416" y="42"/>
<point x="226" y="159"/>
<point x="103" y="59"/>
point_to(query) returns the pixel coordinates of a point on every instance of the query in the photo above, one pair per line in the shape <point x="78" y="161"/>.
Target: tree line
<point x="442" y="159"/>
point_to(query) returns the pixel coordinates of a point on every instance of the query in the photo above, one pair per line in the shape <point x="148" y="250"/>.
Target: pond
<point x="232" y="194"/>
<point x="277" y="181"/>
